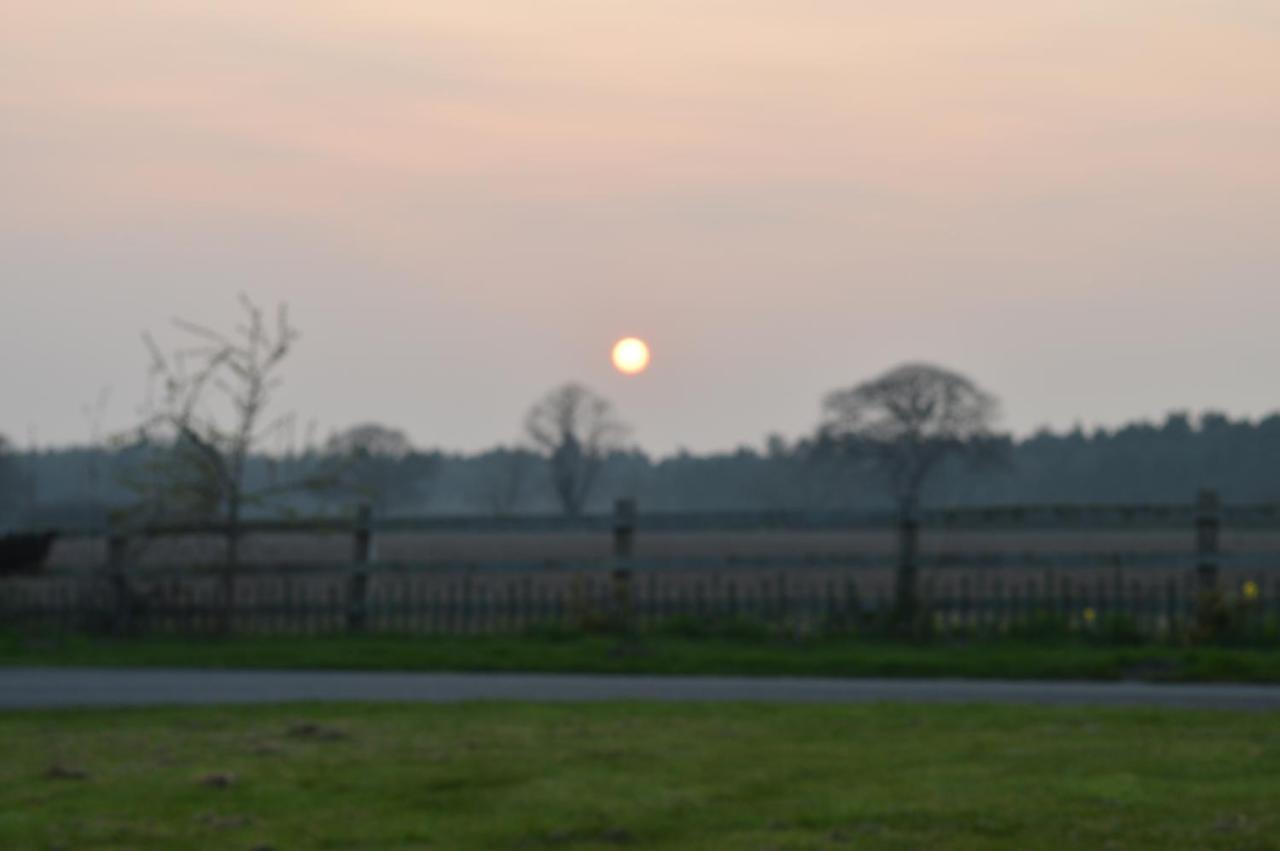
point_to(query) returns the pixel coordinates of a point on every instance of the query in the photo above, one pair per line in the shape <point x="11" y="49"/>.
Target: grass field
<point x="1057" y="658"/>
<point x="490" y="776"/>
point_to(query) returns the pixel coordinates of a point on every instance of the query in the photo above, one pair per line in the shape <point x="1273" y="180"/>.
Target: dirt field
<point x="463" y="548"/>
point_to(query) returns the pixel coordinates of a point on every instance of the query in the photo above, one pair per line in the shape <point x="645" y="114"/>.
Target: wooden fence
<point x="1153" y="591"/>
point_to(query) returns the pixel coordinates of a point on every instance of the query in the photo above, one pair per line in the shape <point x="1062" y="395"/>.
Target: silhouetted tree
<point x="380" y="465"/>
<point x="906" y="423"/>
<point x="576" y="430"/>
<point x="371" y="439"/>
<point x="206" y="421"/>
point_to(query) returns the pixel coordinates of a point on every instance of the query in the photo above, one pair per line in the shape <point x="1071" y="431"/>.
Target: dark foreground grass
<point x="1060" y="658"/>
<point x="496" y="776"/>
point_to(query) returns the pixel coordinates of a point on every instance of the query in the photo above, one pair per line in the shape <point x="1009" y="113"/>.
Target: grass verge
<point x="502" y="776"/>
<point x="666" y="654"/>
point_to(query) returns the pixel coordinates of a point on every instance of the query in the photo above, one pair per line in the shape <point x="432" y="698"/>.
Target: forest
<point x="1139" y="462"/>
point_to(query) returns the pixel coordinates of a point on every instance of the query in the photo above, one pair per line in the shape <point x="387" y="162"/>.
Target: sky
<point x="465" y="204"/>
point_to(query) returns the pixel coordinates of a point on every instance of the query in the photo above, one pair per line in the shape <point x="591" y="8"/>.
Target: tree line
<point x="918" y="433"/>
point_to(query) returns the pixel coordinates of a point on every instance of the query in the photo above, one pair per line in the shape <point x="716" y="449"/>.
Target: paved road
<point x="54" y="687"/>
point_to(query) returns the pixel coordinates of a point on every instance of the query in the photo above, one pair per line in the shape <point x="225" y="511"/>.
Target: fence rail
<point x="1049" y="516"/>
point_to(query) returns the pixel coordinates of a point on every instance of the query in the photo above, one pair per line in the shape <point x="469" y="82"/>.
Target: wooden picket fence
<point x="1148" y="592"/>
<point x="473" y="601"/>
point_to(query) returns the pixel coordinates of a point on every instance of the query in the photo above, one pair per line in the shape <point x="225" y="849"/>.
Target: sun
<point x="631" y="356"/>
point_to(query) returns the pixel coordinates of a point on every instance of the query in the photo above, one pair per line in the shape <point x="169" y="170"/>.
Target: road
<point x="71" y="687"/>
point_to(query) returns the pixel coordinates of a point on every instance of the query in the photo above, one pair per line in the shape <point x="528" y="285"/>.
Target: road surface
<point x="68" y="687"/>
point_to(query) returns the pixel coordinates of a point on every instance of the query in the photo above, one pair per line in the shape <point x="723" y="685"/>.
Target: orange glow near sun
<point x="631" y="356"/>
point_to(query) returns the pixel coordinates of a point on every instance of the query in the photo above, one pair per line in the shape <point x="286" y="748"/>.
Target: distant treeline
<point x="1140" y="462"/>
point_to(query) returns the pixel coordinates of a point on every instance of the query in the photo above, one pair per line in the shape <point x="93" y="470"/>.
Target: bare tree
<point x="906" y="422"/>
<point x="206" y="420"/>
<point x="93" y="415"/>
<point x="370" y="439"/>
<point x="576" y="430"/>
<point x="379" y="464"/>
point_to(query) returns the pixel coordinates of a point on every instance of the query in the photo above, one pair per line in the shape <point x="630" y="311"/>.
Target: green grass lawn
<point x="1060" y="658"/>
<point x="499" y="776"/>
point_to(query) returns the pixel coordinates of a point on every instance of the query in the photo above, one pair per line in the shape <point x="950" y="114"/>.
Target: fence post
<point x="624" y="535"/>
<point x="121" y="599"/>
<point x="624" y="528"/>
<point x="1210" y="613"/>
<point x="906" y="594"/>
<point x="358" y="583"/>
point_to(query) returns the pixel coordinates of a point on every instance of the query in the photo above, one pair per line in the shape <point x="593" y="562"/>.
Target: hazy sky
<point x="465" y="203"/>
